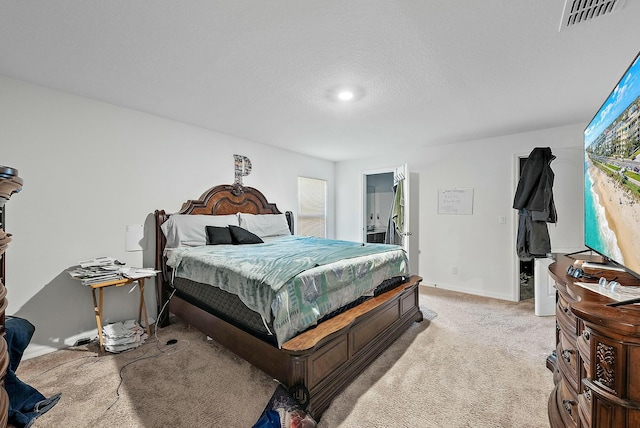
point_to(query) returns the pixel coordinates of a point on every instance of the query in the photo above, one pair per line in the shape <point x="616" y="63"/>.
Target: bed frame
<point x="317" y="364"/>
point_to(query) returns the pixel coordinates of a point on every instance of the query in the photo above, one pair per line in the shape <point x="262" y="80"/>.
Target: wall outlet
<point x="82" y="341"/>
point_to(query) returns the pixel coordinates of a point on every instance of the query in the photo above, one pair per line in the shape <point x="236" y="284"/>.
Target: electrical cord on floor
<point x="169" y="342"/>
<point x="122" y="378"/>
<point x="155" y="326"/>
<point x="171" y="345"/>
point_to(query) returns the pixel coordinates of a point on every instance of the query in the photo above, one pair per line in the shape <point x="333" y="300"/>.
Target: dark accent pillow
<point x="217" y="235"/>
<point x="243" y="236"/>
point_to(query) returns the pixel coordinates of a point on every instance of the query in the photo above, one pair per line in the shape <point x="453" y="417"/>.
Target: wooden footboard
<point x="323" y="360"/>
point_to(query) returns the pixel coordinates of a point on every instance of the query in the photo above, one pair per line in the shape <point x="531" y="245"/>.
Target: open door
<point x="389" y="197"/>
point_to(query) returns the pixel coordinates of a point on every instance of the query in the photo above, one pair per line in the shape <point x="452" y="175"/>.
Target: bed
<point x="318" y="361"/>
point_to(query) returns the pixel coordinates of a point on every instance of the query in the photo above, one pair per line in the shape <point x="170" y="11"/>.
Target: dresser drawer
<point x="568" y="359"/>
<point x="566" y="319"/>
<point x="567" y="404"/>
<point x="583" y="345"/>
<point x="584" y="405"/>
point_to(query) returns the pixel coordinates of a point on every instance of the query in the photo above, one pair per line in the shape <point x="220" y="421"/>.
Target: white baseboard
<point x="36" y="350"/>
<point x="33" y="351"/>
<point x="474" y="292"/>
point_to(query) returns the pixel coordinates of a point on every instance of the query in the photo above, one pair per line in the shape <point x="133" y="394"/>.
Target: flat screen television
<point x="612" y="175"/>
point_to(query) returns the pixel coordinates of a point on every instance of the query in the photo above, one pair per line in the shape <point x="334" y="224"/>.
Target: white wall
<point x="482" y="249"/>
<point x="90" y="169"/>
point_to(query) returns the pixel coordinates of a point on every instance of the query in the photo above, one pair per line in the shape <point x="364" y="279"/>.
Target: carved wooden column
<point x="10" y="183"/>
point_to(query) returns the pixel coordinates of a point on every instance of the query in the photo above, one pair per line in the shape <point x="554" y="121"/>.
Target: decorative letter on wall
<point x="242" y="168"/>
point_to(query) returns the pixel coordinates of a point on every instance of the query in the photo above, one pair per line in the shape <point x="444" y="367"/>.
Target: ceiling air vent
<point x="578" y="11"/>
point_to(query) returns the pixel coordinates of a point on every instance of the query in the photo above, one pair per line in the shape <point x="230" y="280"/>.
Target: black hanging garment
<point x="534" y="202"/>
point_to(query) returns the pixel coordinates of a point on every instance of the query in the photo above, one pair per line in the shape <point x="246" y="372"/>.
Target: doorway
<point x="526" y="268"/>
<point x="379" y="202"/>
<point x="390" y="200"/>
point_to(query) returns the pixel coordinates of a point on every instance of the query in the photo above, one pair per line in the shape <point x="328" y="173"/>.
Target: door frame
<point x="411" y="197"/>
<point x="517" y="157"/>
<point x="514" y="230"/>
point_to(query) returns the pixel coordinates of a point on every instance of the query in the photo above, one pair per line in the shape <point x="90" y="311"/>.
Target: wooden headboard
<point x="224" y="199"/>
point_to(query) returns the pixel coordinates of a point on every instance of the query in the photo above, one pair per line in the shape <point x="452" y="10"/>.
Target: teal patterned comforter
<point x="292" y="281"/>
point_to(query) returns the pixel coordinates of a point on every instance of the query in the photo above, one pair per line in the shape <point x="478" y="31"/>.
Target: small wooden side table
<point x="97" y="304"/>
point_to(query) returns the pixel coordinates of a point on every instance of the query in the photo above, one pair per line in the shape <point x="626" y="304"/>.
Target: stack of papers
<point x="122" y="336"/>
<point x="136" y="273"/>
<point x="98" y="270"/>
<point x="98" y="261"/>
<point x="104" y="269"/>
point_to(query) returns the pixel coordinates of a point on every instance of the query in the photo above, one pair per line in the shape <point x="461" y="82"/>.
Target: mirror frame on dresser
<point x="596" y="363"/>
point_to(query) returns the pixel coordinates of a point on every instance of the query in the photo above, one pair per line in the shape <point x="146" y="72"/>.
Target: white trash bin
<point x="544" y="290"/>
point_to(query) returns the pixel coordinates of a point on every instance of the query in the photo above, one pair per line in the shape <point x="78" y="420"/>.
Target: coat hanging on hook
<point x="535" y="205"/>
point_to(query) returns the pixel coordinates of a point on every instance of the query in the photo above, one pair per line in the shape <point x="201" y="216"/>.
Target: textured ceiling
<point x="428" y="72"/>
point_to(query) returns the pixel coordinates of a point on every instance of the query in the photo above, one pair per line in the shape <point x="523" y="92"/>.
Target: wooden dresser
<point x="596" y="364"/>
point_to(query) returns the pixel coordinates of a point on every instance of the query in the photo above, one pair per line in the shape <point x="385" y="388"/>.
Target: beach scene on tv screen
<point x="612" y="174"/>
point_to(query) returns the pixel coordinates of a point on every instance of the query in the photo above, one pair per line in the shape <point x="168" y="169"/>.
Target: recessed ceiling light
<point x="345" y="95"/>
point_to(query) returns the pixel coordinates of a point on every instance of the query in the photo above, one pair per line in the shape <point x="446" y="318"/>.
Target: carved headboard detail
<point x="230" y="199"/>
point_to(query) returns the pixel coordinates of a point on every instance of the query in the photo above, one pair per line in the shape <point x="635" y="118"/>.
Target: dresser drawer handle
<point x="566" y="355"/>
<point x="565" y="309"/>
<point x="568" y="404"/>
<point x="586" y="335"/>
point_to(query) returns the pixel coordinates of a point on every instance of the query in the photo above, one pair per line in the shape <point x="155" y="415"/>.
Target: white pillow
<point x="265" y="224"/>
<point x="183" y="229"/>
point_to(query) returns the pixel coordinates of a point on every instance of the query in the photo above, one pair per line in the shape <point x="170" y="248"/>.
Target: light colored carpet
<point x="473" y="362"/>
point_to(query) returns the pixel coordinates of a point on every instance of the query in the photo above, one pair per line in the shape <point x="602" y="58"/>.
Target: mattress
<point x="291" y="282"/>
<point x="230" y="308"/>
<point x="225" y="306"/>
